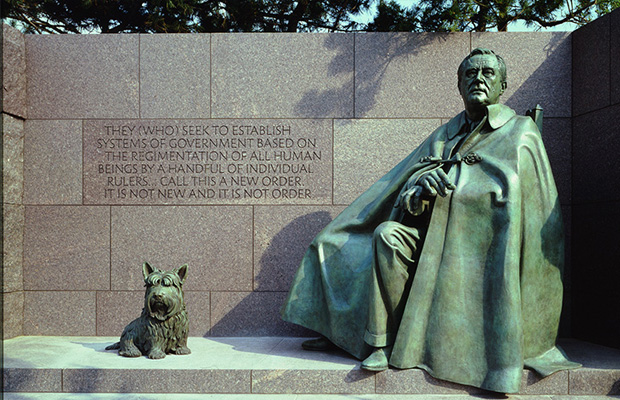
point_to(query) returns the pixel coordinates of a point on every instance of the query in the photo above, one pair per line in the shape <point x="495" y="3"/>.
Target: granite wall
<point x="596" y="193"/>
<point x="13" y="115"/>
<point x="111" y="118"/>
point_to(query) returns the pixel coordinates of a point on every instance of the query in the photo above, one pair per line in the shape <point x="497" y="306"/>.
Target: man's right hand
<point x="435" y="182"/>
<point x="430" y="184"/>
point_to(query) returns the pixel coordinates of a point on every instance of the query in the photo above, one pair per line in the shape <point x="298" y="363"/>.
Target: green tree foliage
<point x="483" y="15"/>
<point x="115" y="16"/>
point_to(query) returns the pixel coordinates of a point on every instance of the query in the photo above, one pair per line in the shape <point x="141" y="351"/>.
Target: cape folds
<point x="486" y="295"/>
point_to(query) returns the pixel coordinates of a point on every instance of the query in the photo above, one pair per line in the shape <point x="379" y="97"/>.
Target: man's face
<point x="481" y="83"/>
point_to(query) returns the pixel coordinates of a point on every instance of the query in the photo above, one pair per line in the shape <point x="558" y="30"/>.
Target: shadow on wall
<point x="548" y="85"/>
<point x="391" y="47"/>
<point x="258" y="312"/>
<point x="397" y="63"/>
<point x="282" y="257"/>
<point x="365" y="79"/>
<point x="331" y="102"/>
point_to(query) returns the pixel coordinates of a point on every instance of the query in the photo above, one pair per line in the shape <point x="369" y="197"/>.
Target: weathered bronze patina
<point x="452" y="261"/>
<point x="163" y="326"/>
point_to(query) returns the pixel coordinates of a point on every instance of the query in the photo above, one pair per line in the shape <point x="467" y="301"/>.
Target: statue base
<point x="57" y="366"/>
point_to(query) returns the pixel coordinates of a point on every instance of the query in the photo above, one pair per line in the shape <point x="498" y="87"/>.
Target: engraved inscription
<point x="207" y="161"/>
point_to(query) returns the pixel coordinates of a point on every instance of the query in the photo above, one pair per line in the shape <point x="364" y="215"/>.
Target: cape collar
<point x="497" y="116"/>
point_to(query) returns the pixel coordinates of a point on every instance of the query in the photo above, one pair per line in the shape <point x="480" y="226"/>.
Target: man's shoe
<point x="378" y="360"/>
<point x="319" y="344"/>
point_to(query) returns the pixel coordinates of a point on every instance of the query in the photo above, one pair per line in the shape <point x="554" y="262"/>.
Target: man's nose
<point x="479" y="77"/>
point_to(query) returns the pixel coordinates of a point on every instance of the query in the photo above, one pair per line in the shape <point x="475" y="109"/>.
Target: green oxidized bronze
<point x="451" y="262"/>
<point x="163" y="326"/>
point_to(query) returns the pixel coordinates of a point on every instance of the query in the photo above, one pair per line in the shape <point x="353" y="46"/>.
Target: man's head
<point x="482" y="78"/>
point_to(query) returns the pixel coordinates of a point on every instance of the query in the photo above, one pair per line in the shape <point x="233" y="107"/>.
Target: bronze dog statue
<point x="163" y="326"/>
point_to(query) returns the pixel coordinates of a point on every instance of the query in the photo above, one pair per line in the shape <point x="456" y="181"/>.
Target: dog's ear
<point x="181" y="271"/>
<point x="147" y="270"/>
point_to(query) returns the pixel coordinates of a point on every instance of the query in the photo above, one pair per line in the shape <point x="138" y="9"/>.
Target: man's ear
<point x="458" y="86"/>
<point x="504" y="86"/>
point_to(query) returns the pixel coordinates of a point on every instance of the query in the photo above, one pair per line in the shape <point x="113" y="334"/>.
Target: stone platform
<point x="176" y="396"/>
<point x="230" y="368"/>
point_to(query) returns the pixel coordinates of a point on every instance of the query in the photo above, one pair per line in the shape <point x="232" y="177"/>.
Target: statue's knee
<point x="396" y="236"/>
<point x="386" y="231"/>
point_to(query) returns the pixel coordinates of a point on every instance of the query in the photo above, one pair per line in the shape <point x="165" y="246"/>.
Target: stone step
<point x="265" y="365"/>
<point x="176" y="396"/>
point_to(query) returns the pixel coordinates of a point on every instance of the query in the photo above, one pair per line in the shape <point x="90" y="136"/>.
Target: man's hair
<point x="482" y="51"/>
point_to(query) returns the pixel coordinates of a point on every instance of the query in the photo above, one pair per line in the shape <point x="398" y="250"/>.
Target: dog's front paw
<point x="131" y="352"/>
<point x="181" y="351"/>
<point x="156" y="354"/>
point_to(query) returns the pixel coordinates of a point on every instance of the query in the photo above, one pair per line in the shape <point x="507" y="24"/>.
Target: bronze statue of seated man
<point x="452" y="261"/>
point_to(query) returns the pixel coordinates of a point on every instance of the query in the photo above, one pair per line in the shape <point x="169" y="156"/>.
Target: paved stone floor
<point x="72" y="368"/>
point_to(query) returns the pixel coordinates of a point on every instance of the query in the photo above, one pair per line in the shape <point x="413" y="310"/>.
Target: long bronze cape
<point x="487" y="293"/>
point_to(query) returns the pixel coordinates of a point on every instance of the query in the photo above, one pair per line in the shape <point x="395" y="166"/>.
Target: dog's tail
<point x="114" y="346"/>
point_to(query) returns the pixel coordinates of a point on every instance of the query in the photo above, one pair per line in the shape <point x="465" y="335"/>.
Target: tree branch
<point x="316" y="24"/>
<point x="568" y="18"/>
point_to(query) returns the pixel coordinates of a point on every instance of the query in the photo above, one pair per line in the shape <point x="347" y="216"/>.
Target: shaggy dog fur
<point x="163" y="326"/>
